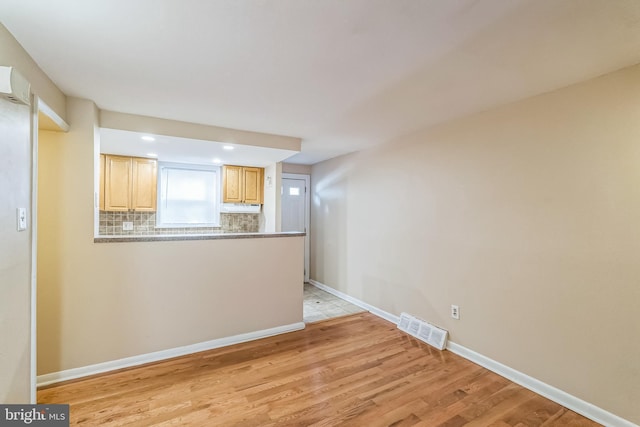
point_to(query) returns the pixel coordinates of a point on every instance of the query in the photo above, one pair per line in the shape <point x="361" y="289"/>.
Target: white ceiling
<point x="343" y="75"/>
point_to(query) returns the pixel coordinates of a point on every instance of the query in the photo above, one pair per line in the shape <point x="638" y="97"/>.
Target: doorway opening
<point x="295" y="206"/>
<point x="46" y="124"/>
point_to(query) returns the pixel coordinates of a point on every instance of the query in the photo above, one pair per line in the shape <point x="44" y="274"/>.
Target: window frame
<point x="160" y="223"/>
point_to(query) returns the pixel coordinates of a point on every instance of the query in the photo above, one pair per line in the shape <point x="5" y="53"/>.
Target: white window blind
<point x="189" y="196"/>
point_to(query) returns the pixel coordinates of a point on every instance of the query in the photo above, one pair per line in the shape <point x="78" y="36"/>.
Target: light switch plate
<point x="127" y="226"/>
<point x="21" y="215"/>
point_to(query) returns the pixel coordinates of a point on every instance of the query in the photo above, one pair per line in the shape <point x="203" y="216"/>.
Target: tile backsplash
<point x="144" y="224"/>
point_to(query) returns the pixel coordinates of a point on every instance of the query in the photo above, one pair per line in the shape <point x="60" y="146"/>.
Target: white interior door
<point x="295" y="210"/>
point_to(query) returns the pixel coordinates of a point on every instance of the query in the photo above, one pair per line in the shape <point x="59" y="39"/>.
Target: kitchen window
<point x="188" y="195"/>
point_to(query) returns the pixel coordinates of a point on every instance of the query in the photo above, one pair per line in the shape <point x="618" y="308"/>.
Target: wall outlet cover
<point x="455" y="312"/>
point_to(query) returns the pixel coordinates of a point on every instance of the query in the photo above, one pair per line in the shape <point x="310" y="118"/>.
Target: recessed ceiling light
<point x="227" y="147"/>
<point x="152" y="155"/>
<point x="216" y="160"/>
<point x="147" y="138"/>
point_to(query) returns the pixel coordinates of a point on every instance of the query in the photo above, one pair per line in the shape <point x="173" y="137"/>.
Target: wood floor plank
<point x="353" y="371"/>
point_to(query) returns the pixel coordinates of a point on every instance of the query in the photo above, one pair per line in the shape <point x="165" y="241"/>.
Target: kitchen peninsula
<point x="135" y="300"/>
<point x="108" y="299"/>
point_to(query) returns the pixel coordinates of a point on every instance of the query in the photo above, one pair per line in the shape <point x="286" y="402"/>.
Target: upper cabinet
<point x="117" y="183"/>
<point x="128" y="183"/>
<point x="253" y="184"/>
<point x="101" y="190"/>
<point x="232" y="184"/>
<point x="144" y="184"/>
<point x="242" y="184"/>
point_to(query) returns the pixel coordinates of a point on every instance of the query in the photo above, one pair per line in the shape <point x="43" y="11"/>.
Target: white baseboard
<point x="552" y="393"/>
<point x="375" y="310"/>
<point x="565" y="399"/>
<point x="127" y="362"/>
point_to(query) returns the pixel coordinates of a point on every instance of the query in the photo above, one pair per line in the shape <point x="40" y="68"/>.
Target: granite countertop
<point x="181" y="237"/>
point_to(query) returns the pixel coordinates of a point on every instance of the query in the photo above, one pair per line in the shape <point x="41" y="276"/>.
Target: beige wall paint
<point x="526" y="216"/>
<point x="132" y="122"/>
<point x="15" y="247"/>
<point x="295" y="168"/>
<point x="15" y="253"/>
<point x="12" y="54"/>
<point x="101" y="302"/>
<point x="271" y="210"/>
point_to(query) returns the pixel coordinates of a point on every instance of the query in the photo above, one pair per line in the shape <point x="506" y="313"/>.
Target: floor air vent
<point x="424" y="331"/>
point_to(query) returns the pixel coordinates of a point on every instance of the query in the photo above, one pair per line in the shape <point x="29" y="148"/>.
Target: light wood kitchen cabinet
<point x="253" y="184"/>
<point x="101" y="189"/>
<point x="129" y="183"/>
<point x="232" y="184"/>
<point x="144" y="184"/>
<point x="242" y="184"/>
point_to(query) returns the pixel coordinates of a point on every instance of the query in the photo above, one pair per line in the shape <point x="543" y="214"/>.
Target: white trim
<point x="70" y="374"/>
<point x="375" y="310"/>
<point x="552" y="393"/>
<point x="35" y="106"/>
<point x="307" y="216"/>
<point x="48" y="111"/>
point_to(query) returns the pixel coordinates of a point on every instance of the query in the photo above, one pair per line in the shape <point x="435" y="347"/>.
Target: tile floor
<point x="321" y="305"/>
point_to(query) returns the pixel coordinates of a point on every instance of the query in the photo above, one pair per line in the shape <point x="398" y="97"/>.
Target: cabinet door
<point x="252" y="178"/>
<point x="117" y="183"/>
<point x="144" y="189"/>
<point x="101" y="188"/>
<point x="232" y="184"/>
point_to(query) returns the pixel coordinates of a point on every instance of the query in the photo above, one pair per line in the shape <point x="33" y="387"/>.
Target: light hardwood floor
<point x="354" y="371"/>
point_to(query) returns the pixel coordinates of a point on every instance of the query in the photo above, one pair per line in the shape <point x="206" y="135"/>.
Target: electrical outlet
<point x="455" y="312"/>
<point x="127" y="226"/>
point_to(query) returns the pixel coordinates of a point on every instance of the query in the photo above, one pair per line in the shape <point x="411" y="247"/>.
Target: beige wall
<point x="271" y="213"/>
<point x="526" y="216"/>
<point x="101" y="302"/>
<point x="295" y="168"/>
<point x="136" y="123"/>
<point x="15" y="254"/>
<point x="15" y="247"/>
<point x="12" y="54"/>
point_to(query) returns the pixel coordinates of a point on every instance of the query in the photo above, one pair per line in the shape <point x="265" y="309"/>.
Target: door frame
<point x="307" y="215"/>
<point x="33" y="356"/>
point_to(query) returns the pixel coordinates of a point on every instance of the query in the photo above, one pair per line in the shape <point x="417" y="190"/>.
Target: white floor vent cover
<point x="424" y="331"/>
